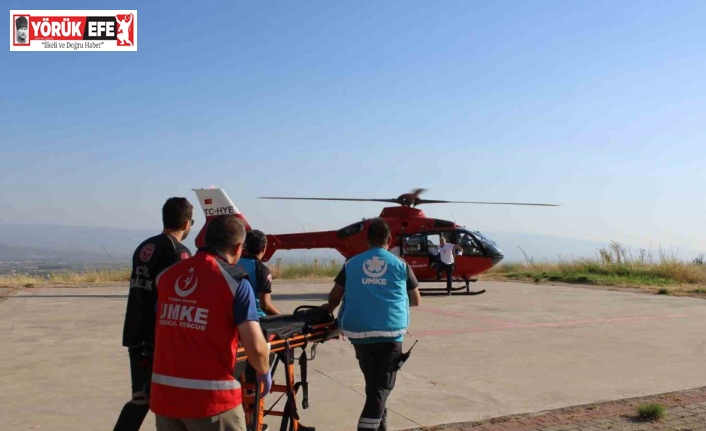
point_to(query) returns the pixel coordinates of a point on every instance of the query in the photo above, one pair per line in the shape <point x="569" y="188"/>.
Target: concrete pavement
<point x="517" y="348"/>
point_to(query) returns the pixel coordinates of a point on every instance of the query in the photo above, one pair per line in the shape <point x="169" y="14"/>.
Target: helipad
<point x="517" y="348"/>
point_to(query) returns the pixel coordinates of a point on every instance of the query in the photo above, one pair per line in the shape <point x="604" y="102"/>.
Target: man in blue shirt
<point x="377" y="289"/>
<point x="259" y="275"/>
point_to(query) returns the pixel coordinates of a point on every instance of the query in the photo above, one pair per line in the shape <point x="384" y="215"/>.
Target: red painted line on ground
<point x="465" y="316"/>
<point x="443" y="332"/>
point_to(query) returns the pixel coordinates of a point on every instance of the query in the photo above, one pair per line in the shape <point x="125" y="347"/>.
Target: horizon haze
<point x="116" y="245"/>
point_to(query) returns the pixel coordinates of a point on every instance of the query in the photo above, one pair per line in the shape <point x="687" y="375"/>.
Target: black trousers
<point x="449" y="269"/>
<point x="378" y="362"/>
<point x="135" y="410"/>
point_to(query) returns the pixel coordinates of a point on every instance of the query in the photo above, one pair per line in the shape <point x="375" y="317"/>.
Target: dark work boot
<point x="383" y="422"/>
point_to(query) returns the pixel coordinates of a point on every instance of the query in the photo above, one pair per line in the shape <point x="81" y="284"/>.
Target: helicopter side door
<point x="421" y="251"/>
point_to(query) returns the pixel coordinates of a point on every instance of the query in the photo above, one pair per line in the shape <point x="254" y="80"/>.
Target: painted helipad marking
<point x="465" y="316"/>
<point x="588" y="322"/>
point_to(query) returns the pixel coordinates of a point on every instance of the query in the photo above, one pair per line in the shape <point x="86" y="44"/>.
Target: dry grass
<point x="67" y="277"/>
<point x="615" y="266"/>
<point x="305" y="271"/>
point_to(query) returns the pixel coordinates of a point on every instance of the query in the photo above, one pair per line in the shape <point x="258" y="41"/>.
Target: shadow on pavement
<point x="300" y="296"/>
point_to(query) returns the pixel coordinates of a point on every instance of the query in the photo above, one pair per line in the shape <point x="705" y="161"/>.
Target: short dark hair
<point x="225" y="232"/>
<point x="378" y="232"/>
<point x="176" y="212"/>
<point x="255" y="242"/>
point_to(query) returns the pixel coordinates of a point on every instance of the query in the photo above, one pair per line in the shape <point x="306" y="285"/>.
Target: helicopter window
<point x="350" y="230"/>
<point x="469" y="244"/>
<point x="433" y="244"/>
<point x="413" y="245"/>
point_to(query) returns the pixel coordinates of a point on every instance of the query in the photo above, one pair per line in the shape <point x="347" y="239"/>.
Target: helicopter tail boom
<point x="295" y="241"/>
<point x="215" y="202"/>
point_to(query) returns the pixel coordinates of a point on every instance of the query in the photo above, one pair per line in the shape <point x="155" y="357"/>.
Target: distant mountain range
<point x="71" y="243"/>
<point x="105" y="244"/>
<point x="542" y="247"/>
<point x="15" y="252"/>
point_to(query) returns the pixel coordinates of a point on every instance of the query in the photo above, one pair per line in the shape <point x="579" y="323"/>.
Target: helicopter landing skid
<point x="444" y="291"/>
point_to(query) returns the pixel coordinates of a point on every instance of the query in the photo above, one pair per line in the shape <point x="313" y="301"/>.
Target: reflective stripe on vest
<point x="371" y="334"/>
<point x="232" y="284"/>
<point x="208" y="385"/>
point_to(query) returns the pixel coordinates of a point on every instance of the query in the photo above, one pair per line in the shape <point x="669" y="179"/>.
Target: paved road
<point x="518" y="348"/>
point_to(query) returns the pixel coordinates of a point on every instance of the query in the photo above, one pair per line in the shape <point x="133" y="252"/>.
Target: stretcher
<point x="307" y="326"/>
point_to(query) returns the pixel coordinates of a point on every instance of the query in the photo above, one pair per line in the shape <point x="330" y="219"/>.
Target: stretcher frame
<point x="254" y="405"/>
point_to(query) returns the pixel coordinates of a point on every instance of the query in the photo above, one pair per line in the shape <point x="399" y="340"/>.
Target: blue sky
<point x="595" y="105"/>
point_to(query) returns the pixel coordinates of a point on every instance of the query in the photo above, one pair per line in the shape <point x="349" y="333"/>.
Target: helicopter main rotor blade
<point x="394" y="201"/>
<point x="432" y="201"/>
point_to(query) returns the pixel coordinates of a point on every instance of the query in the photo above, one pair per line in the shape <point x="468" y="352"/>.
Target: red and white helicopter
<point x="415" y="237"/>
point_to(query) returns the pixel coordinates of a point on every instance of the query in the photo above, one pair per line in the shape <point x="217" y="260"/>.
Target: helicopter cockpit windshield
<point x="476" y="244"/>
<point x="491" y="249"/>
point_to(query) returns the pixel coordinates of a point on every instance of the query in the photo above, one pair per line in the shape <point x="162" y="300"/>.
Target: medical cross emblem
<point x="374" y="267"/>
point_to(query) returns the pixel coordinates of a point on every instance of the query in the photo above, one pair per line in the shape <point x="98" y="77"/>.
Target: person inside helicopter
<point x="446" y="261"/>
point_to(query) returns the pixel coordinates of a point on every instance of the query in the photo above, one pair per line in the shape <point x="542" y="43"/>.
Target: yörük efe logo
<point x="73" y="30"/>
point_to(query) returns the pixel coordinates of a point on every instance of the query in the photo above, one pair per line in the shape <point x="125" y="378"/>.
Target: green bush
<point x="651" y="412"/>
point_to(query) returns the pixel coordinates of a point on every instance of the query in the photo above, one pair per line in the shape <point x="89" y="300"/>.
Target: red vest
<point x="195" y="341"/>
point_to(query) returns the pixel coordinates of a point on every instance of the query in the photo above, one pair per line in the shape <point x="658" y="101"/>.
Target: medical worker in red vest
<point x="204" y="309"/>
